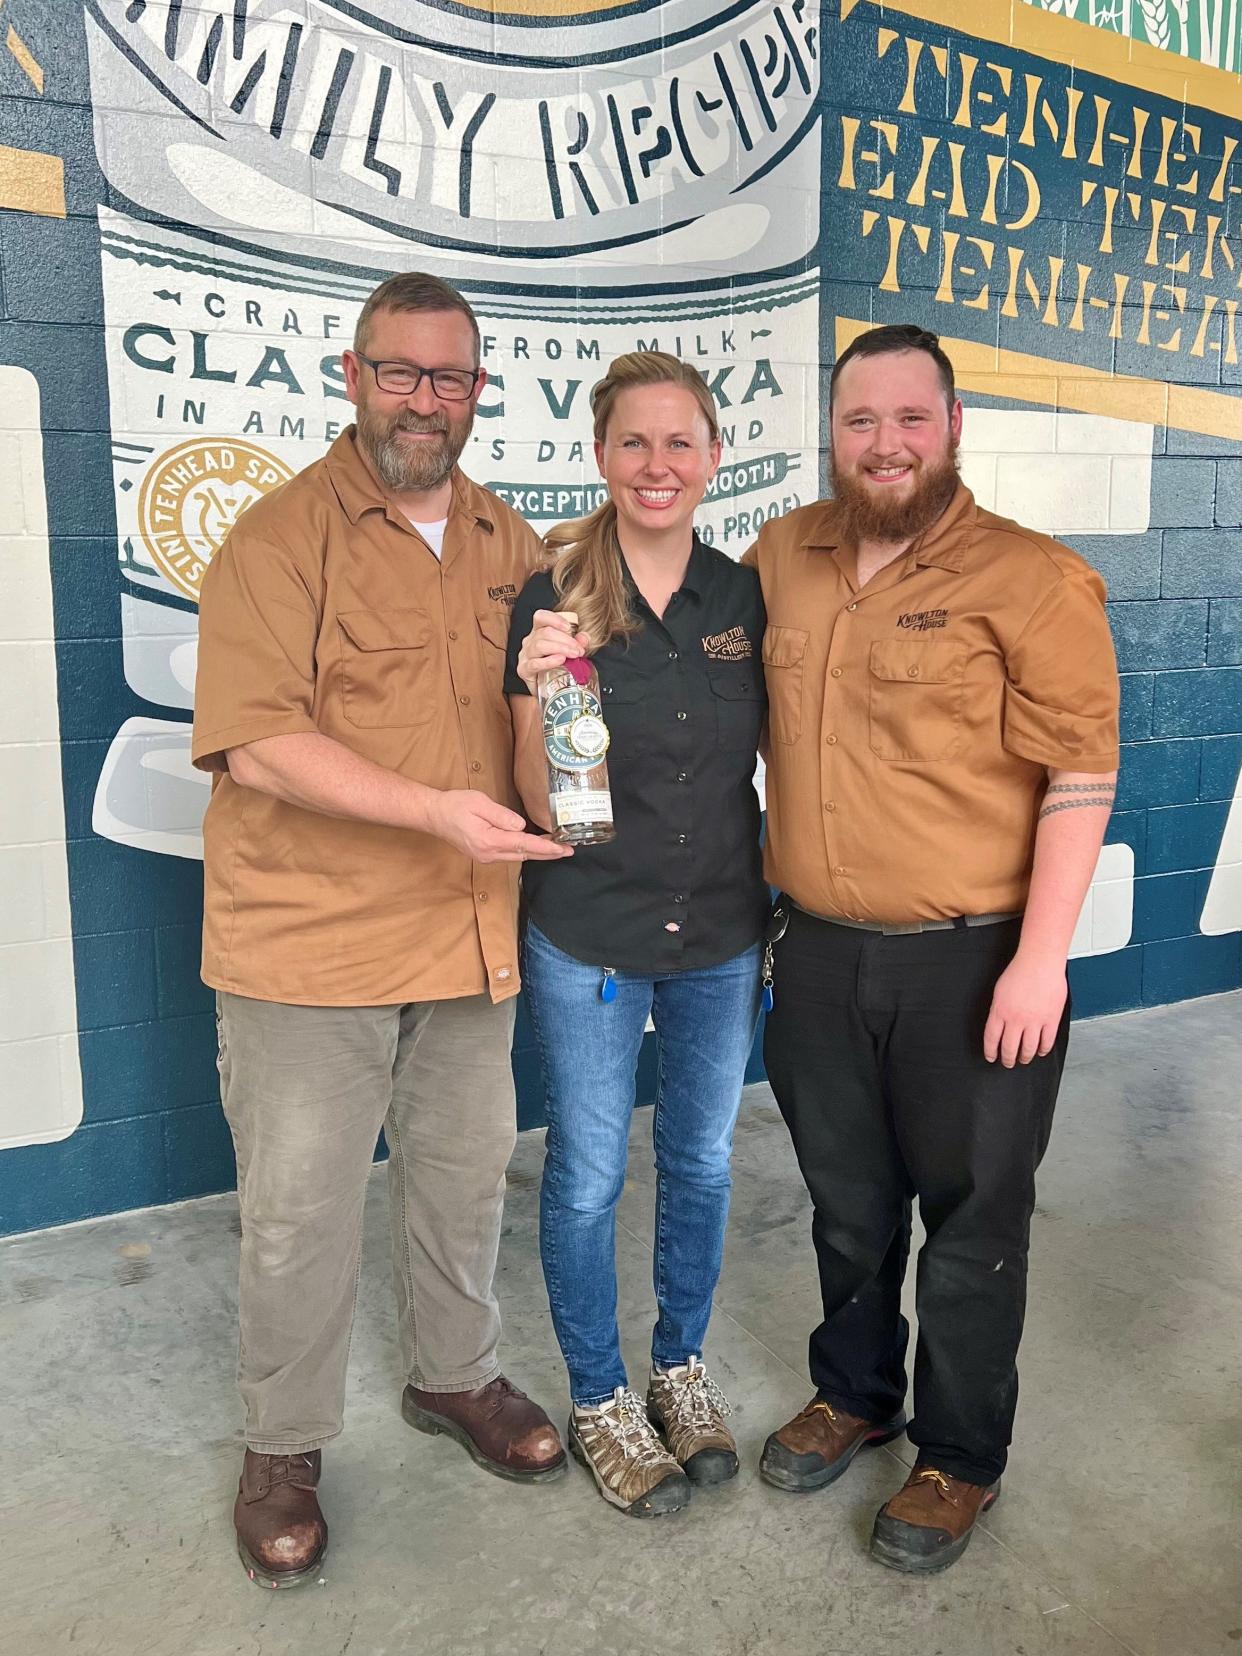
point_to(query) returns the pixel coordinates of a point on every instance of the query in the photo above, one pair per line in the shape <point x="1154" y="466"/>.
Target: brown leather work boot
<point x="815" y="1447"/>
<point x="928" y="1523"/>
<point x="497" y="1425"/>
<point x="281" y="1533"/>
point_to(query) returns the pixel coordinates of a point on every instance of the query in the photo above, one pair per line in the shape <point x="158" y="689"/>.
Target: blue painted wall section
<point x="141" y="1035"/>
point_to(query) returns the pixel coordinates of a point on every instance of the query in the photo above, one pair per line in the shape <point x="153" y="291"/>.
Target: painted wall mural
<point x="196" y="197"/>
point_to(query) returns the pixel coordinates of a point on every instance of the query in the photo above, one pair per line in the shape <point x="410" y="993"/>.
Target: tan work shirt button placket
<point x="836" y="672"/>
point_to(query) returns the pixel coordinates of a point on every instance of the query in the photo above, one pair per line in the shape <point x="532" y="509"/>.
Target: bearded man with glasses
<point x="361" y="859"/>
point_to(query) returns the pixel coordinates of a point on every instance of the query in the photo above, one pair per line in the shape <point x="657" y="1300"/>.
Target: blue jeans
<point x="705" y="1024"/>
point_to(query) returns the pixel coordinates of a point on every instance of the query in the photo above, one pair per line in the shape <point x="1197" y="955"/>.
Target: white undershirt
<point x="433" y="534"/>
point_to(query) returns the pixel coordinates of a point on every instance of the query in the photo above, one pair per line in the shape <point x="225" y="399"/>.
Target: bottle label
<point x="571" y="809"/>
<point x="574" y="732"/>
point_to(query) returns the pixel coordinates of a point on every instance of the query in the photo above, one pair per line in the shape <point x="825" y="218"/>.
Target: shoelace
<point x="697" y="1399"/>
<point x="502" y="1390"/>
<point x="929" y="1474"/>
<point x="283" y="1469"/>
<point x="824" y="1408"/>
<point x="624" y="1419"/>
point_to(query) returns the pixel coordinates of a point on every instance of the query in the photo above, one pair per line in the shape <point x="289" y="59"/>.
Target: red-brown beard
<point x="874" y="514"/>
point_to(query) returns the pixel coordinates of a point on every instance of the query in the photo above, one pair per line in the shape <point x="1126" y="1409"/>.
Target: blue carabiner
<point x="608" y="985"/>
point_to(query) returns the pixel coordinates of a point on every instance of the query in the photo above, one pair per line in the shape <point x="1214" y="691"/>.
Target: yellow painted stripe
<point x="26" y="58"/>
<point x="1068" y="40"/>
<point x="32" y="183"/>
<point x="1055" y="384"/>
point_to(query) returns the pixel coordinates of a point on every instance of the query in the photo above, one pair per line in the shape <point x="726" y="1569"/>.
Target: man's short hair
<point x="414" y="291"/>
<point x="891" y="340"/>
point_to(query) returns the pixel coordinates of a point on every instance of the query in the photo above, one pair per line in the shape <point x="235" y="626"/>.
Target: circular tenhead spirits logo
<point x="574" y="731"/>
<point x="193" y="495"/>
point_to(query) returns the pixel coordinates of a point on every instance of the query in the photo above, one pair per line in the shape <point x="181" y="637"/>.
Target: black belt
<point x="959" y="922"/>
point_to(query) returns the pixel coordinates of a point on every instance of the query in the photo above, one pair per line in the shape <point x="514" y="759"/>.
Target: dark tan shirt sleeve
<point x="258" y="625"/>
<point x="1062" y="695"/>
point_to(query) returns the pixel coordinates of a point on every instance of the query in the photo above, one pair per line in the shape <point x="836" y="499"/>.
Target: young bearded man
<point x="944" y="700"/>
<point x="361" y="856"/>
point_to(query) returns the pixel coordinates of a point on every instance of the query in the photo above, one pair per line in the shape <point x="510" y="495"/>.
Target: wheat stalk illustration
<point x="1156" y="21"/>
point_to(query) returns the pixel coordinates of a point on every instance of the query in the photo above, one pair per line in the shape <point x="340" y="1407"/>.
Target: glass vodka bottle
<point x="575" y="740"/>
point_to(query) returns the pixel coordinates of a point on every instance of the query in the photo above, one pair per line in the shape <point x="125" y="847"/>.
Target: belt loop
<point x="959" y="922"/>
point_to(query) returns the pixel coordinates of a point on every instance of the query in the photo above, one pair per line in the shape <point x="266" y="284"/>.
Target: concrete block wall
<point x="195" y="198"/>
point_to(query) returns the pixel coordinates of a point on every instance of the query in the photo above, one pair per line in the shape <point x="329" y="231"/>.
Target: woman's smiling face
<point x="657" y="457"/>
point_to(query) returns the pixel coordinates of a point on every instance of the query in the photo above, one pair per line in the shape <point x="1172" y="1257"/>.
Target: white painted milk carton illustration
<point x="621" y="178"/>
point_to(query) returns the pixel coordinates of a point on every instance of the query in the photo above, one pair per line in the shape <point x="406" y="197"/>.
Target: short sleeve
<point x="538" y="593"/>
<point x="1062" y="695"/>
<point x="258" y="626"/>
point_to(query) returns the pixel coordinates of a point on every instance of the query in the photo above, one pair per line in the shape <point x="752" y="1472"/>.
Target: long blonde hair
<point x="588" y="571"/>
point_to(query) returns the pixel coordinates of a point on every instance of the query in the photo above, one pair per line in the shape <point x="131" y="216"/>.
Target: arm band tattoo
<point x="1082" y="787"/>
<point x="1105" y="802"/>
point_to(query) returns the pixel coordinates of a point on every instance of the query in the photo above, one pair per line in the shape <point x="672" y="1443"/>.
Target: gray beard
<point x="401" y="467"/>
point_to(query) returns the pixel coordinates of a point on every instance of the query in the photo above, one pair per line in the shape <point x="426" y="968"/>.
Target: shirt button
<point x="829" y="805"/>
<point x="482" y="896"/>
<point x="851" y="606"/>
<point x="682" y="838"/>
<point x="452" y="634"/>
<point x="831" y="741"/>
<point x="503" y="972"/>
<point x="672" y="655"/>
<point x="912" y="672"/>
<point x="475" y="765"/>
<point x="607" y="689"/>
<point x="681" y="715"/>
<point x="838" y="871"/>
<point x="679" y="897"/>
<point x="836" y="672"/>
<point x="464" y="700"/>
<point x="682" y="776"/>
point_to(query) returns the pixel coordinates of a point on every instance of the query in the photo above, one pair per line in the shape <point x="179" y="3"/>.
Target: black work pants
<point x="874" y="1049"/>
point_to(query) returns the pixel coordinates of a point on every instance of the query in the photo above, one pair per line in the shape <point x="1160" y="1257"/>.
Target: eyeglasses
<point x="402" y="379"/>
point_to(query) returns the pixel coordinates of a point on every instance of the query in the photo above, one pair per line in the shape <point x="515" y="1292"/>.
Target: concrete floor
<point x="1119" y="1531"/>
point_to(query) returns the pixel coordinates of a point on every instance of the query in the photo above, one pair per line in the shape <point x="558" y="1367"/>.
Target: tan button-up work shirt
<point x="912" y="720"/>
<point x="325" y="610"/>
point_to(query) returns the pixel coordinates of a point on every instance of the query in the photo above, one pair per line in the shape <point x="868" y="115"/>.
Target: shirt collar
<point x="943" y="545"/>
<point x="358" y="492"/>
<point x="695" y="580"/>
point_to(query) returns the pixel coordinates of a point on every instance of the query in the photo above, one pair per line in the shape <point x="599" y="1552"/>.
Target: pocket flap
<point x="494" y="625"/>
<point x="405" y="629"/>
<point x="900" y="659"/>
<point x="784" y="646"/>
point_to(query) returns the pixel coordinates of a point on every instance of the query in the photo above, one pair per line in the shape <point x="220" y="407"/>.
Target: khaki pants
<point x="306" y="1090"/>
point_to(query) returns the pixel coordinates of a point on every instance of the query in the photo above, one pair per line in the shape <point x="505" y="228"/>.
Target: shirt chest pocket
<point x="626" y="706"/>
<point x="916" y="696"/>
<point x="387" y="668"/>
<point x="738" y="696"/>
<point x="784" y="662"/>
<point x="493" y="641"/>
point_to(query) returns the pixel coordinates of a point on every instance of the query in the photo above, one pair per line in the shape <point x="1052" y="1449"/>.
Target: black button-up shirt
<point x="681" y="886"/>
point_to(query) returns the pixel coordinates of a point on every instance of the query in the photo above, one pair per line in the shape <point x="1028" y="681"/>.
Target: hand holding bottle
<point x="551" y="641"/>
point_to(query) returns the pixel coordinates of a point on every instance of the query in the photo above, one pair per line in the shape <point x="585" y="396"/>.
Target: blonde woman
<point x="665" y="921"/>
